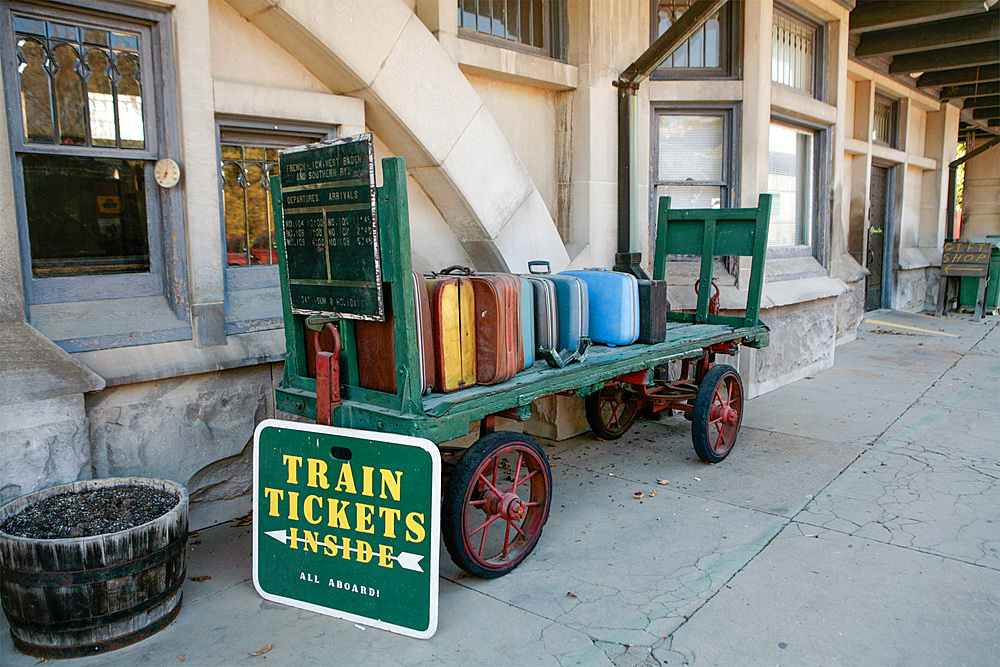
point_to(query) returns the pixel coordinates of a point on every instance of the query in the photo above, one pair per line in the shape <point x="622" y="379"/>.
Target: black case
<point x="653" y="307"/>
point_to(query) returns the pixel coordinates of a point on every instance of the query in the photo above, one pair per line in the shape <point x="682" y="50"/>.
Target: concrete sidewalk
<point x="857" y="521"/>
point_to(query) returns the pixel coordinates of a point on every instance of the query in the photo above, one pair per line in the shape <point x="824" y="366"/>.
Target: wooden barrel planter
<point x="77" y="596"/>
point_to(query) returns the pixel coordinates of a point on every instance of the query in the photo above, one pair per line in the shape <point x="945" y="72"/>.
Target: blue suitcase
<point x="528" y="321"/>
<point x="614" y="305"/>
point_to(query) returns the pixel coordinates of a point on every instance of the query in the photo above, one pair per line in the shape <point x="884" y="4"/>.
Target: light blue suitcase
<point x="528" y="321"/>
<point x="614" y="305"/>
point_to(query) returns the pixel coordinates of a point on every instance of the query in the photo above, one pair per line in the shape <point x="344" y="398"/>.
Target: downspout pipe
<point x="627" y="258"/>
<point x="949" y="223"/>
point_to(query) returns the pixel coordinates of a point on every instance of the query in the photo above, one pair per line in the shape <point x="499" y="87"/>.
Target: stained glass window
<point x="80" y="85"/>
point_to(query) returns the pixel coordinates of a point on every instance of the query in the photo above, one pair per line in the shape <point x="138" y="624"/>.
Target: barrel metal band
<point x="79" y="650"/>
<point x="88" y="622"/>
<point x="95" y="575"/>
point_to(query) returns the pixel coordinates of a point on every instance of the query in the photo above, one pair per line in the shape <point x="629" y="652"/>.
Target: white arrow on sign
<point x="406" y="560"/>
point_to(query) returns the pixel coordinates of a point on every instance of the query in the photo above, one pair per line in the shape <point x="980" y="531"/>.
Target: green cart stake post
<point x="346" y="523"/>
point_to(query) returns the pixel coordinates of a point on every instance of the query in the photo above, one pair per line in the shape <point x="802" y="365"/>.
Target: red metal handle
<point x="327" y="373"/>
<point x="713" y="301"/>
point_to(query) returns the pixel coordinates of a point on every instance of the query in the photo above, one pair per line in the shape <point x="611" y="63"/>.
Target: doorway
<point x="877" y="243"/>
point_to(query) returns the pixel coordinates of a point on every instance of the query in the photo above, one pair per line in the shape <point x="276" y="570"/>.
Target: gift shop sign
<point x="346" y="523"/>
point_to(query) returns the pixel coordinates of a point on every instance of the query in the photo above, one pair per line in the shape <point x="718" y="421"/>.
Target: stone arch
<point x="419" y="102"/>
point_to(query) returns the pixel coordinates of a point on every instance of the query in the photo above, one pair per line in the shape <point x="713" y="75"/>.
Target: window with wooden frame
<point x="797" y="53"/>
<point x="693" y="157"/>
<point x="885" y="122"/>
<point x="708" y="53"/>
<point x="248" y="157"/>
<point x="792" y="180"/>
<point x="533" y="26"/>
<point x="90" y="110"/>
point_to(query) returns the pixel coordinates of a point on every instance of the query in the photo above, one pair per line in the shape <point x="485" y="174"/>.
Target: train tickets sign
<point x="330" y="228"/>
<point x="347" y="523"/>
<point x="965" y="259"/>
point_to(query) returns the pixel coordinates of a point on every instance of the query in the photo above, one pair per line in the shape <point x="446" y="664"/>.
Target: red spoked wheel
<point x="496" y="503"/>
<point x="717" y="414"/>
<point x="611" y="412"/>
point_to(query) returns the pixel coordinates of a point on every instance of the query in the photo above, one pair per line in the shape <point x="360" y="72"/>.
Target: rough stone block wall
<point x="42" y="443"/>
<point x="850" y="311"/>
<point x="803" y="338"/>
<point x="175" y="428"/>
<point x="911" y="290"/>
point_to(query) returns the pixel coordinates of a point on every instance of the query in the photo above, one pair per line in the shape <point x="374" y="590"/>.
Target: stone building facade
<point x="158" y="359"/>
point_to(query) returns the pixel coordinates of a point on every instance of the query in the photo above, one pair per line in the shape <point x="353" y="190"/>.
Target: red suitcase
<point x="376" y="342"/>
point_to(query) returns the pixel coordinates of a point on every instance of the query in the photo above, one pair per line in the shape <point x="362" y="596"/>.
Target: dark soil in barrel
<point x="87" y="513"/>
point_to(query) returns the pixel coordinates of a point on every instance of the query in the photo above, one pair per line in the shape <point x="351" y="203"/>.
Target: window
<point x="885" y="121"/>
<point x="87" y="116"/>
<point x="248" y="157"/>
<point x="530" y="25"/>
<point x="693" y="163"/>
<point x="706" y="53"/>
<point x="791" y="179"/>
<point x="795" y="53"/>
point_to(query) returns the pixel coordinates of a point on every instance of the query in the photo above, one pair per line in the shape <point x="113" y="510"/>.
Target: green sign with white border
<point x="347" y="523"/>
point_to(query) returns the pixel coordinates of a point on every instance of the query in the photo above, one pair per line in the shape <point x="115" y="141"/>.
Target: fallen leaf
<point x="263" y="650"/>
<point x="662" y="481"/>
<point x="194" y="534"/>
<point x="244" y="520"/>
<point x="464" y="575"/>
<point x="196" y="542"/>
<point x="638" y="495"/>
<point x="181" y="657"/>
<point x="652" y="493"/>
<point x="571" y="594"/>
<point x="697" y="479"/>
<point x="200" y="579"/>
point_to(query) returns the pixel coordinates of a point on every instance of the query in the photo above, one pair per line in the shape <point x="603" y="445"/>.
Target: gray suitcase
<point x="561" y="315"/>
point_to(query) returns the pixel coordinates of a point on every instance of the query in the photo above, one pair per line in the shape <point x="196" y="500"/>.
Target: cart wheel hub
<point x="509" y="506"/>
<point x="727" y="413"/>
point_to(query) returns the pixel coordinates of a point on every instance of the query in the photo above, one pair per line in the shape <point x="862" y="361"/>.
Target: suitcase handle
<point x="555" y="360"/>
<point x="539" y="262"/>
<point x="455" y="269"/>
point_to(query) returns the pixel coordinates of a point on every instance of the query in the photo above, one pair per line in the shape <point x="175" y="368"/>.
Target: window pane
<point x="69" y="96"/>
<point x="690" y="148"/>
<point x="73" y="93"/>
<point x="100" y="99"/>
<point x="249" y="157"/>
<point x="790" y="180"/>
<point x="702" y="49"/>
<point x="686" y="196"/>
<point x="130" y="102"/>
<point x="86" y="216"/>
<point x="792" y="53"/>
<point x="884" y="125"/>
<point x="36" y="92"/>
<point x="517" y="20"/>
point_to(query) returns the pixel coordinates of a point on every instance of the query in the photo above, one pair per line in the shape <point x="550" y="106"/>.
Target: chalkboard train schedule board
<point x="330" y="228"/>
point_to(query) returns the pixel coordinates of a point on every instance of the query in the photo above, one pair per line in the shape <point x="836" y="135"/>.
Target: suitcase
<point x="499" y="346"/>
<point x="453" y="328"/>
<point x="546" y="312"/>
<point x="572" y="307"/>
<point x="528" y="322"/>
<point x="614" y="305"/>
<point x="653" y="307"/>
<point x="376" y="344"/>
